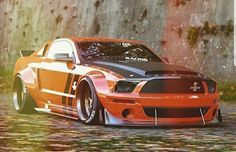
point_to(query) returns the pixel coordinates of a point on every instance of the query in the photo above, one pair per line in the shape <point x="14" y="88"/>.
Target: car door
<point x="55" y="77"/>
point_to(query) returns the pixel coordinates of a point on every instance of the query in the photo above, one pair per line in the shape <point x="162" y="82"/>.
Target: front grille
<point x="173" y="86"/>
<point x="175" y="112"/>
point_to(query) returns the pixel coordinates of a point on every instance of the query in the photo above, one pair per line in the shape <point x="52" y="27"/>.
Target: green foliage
<point x="194" y="32"/>
<point x="227" y="90"/>
<point x="6" y="76"/>
<point x="206" y="27"/>
<point x="229" y="28"/>
<point x="181" y="2"/>
<point x="192" y="35"/>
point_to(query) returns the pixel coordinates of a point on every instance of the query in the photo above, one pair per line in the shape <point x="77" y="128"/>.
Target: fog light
<point x="125" y="113"/>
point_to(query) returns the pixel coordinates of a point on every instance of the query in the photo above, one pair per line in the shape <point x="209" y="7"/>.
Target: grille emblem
<point x="195" y="87"/>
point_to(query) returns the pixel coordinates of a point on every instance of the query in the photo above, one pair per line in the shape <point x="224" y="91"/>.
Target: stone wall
<point x="165" y="25"/>
<point x="199" y="34"/>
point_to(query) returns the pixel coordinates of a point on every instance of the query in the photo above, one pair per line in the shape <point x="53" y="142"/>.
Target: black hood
<point x="144" y="69"/>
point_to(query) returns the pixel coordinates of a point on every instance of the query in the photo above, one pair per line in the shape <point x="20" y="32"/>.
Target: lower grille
<point x="175" y="112"/>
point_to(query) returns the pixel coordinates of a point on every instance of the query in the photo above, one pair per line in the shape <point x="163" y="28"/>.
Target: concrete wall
<point x="162" y="24"/>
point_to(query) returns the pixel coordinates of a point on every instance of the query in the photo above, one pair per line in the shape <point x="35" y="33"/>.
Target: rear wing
<point x="24" y="53"/>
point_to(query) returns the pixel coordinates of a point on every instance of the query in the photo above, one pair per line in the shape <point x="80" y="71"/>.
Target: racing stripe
<point x="68" y="83"/>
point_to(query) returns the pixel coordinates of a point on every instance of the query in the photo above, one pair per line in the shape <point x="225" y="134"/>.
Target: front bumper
<point x="111" y="120"/>
<point x="116" y="104"/>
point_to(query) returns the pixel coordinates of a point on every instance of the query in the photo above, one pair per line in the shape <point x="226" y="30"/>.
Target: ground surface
<point x="43" y="132"/>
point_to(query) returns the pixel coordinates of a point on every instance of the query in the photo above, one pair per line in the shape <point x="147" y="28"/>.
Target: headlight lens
<point x="125" y="86"/>
<point x="211" y="84"/>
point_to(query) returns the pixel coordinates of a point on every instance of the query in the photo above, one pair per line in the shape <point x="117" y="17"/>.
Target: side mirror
<point x="165" y="59"/>
<point x="63" y="57"/>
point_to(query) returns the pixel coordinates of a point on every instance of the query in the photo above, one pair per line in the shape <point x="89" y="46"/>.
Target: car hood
<point x="144" y="69"/>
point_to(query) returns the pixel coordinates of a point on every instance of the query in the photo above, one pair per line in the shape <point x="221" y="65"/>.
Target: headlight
<point x="211" y="84"/>
<point x="125" y="86"/>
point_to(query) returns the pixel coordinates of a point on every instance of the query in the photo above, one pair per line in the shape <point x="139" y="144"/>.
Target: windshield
<point x="113" y="51"/>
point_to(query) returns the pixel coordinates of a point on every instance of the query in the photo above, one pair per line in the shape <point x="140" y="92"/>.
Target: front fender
<point x="103" y="84"/>
<point x="100" y="82"/>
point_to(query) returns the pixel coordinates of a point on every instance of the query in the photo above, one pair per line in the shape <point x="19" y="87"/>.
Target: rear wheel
<point x="88" y="105"/>
<point x="22" y="99"/>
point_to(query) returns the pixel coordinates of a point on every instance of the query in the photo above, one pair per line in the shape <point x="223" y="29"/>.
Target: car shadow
<point x="167" y="127"/>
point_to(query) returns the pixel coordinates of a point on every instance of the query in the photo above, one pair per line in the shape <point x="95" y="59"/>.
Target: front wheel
<point x="22" y="99"/>
<point x="88" y="105"/>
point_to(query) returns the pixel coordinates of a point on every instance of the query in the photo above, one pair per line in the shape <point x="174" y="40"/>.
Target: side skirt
<point x="48" y="110"/>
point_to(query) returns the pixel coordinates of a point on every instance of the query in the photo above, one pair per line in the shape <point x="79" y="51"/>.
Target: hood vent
<point x="187" y="73"/>
<point x="170" y="73"/>
<point x="160" y="73"/>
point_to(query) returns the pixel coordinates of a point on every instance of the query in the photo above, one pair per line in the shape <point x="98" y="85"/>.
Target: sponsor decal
<point x="195" y="87"/>
<point x="74" y="85"/>
<point x="73" y="89"/>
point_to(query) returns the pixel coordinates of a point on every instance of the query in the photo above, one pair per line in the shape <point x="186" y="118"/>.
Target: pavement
<point x="44" y="132"/>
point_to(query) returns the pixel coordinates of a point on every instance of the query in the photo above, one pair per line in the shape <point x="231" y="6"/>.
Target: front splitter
<point x="113" y="121"/>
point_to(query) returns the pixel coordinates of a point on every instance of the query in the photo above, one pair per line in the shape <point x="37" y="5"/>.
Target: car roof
<point x="103" y="39"/>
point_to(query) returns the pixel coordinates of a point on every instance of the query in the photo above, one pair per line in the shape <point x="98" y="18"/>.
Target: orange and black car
<point x="113" y="82"/>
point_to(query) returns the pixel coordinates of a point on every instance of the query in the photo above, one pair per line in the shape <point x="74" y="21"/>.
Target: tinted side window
<point x="60" y="47"/>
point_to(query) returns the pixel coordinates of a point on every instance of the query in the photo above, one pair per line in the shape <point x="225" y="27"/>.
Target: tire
<point x="88" y="106"/>
<point x="23" y="101"/>
<point x="220" y="116"/>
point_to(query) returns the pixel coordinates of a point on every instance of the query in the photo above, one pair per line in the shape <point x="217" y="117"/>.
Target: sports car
<point x="112" y="82"/>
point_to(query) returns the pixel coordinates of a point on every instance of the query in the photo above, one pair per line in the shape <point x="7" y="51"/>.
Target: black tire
<point x="220" y="116"/>
<point x="91" y="114"/>
<point x="23" y="101"/>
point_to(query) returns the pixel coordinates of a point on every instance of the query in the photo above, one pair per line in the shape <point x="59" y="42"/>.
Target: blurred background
<point x="194" y="33"/>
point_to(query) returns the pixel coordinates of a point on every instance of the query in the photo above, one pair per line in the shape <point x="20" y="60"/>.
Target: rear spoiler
<point x="24" y="53"/>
